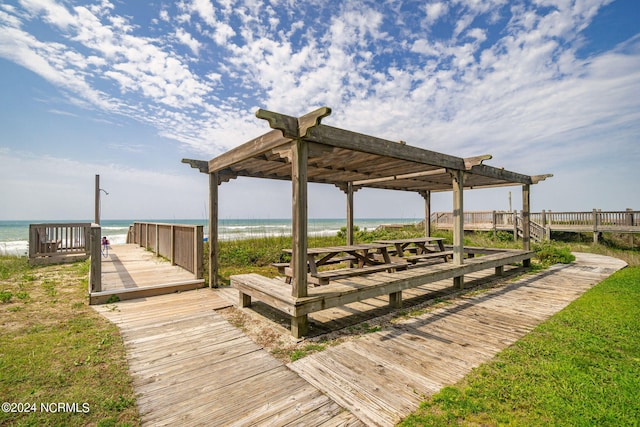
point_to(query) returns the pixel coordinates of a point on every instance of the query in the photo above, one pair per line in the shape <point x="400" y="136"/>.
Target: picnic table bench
<point x="276" y="293"/>
<point x="368" y="258"/>
<point x="418" y="245"/>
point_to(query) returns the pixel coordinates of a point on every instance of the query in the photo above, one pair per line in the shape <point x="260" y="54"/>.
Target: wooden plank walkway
<point x="381" y="378"/>
<point x="129" y="271"/>
<point x="191" y="367"/>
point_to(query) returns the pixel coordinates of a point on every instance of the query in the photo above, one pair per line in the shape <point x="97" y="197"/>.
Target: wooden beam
<point x="470" y="162"/>
<point x="252" y="148"/>
<point x="201" y="165"/>
<point x="401" y="177"/>
<point x="286" y="124"/>
<point x="293" y="127"/>
<point x="370" y="144"/>
<point x="537" y="178"/>
<point x="501" y="174"/>
<point x="311" y="120"/>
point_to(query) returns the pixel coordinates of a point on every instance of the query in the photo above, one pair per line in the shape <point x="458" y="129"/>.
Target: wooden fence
<point x="543" y="223"/>
<point x="181" y="244"/>
<point x="58" y="243"/>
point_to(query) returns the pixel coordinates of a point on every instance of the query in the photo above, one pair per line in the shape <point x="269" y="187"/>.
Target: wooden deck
<point x="190" y="366"/>
<point x="384" y="376"/>
<point x="344" y="291"/>
<point x="129" y="271"/>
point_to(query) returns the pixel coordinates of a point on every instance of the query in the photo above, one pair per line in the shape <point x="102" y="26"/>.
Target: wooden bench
<point x="276" y="293"/>
<point x="282" y="265"/>
<point x="324" y="277"/>
<point x="431" y="255"/>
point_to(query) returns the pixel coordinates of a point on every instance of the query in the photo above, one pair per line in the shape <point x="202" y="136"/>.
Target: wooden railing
<point x="181" y="244"/>
<point x="542" y="223"/>
<point x="56" y="243"/>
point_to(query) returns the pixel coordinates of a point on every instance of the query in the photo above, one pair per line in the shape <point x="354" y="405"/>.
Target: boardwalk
<point x="130" y="271"/>
<point x="190" y="367"/>
<point x="383" y="377"/>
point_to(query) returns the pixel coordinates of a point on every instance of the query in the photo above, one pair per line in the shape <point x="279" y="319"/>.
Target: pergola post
<point x="350" y="213"/>
<point x="299" y="157"/>
<point x="213" y="230"/>
<point x="458" y="224"/>
<point x="526" y="223"/>
<point x="427" y="212"/>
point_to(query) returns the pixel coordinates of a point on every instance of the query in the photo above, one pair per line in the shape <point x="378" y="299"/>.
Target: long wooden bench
<point x="322" y="278"/>
<point x="282" y="265"/>
<point x="431" y="255"/>
<point x="276" y="293"/>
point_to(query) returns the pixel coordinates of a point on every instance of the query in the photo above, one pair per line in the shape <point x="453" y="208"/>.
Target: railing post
<point x="198" y="249"/>
<point x="629" y="217"/>
<point x="173" y="245"/>
<point x="515" y="225"/>
<point x="157" y="242"/>
<point x="95" y="274"/>
<point x="596" y="223"/>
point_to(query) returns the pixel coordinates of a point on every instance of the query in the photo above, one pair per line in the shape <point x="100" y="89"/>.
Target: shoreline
<point x="14" y="234"/>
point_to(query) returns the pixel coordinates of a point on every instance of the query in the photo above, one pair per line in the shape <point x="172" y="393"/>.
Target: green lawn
<point x="55" y="349"/>
<point x="580" y="368"/>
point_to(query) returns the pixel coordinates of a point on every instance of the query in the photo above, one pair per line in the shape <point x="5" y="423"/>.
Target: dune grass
<point x="55" y="349"/>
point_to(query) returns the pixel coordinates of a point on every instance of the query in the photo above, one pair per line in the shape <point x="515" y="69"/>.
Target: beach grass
<point x="579" y="368"/>
<point x="61" y="363"/>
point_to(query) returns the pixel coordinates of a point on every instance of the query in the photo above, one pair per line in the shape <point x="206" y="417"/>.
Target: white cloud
<point x="435" y="11"/>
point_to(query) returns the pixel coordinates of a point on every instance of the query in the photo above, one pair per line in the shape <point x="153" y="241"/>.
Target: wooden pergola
<point x="303" y="150"/>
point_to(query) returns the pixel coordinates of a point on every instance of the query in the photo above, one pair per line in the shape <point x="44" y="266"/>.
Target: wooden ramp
<point x="191" y="367"/>
<point x="129" y="271"/>
<point x="381" y="378"/>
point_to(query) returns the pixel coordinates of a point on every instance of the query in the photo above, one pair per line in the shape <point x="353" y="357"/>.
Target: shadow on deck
<point x="130" y="272"/>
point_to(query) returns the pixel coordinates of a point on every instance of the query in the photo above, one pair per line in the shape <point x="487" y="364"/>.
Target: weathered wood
<point x="213" y="230"/>
<point x="369" y="144"/>
<point x="422" y="257"/>
<point x="132" y="272"/>
<point x="170" y="354"/>
<point x="383" y="376"/>
<point x="526" y="223"/>
<point x="179" y="243"/>
<point x="95" y="272"/>
<point x="51" y="243"/>
<point x="350" y="215"/>
<point x="274" y="292"/>
<point x="255" y="147"/>
<point x="299" y="219"/>
<point x="458" y="219"/>
<point x="426" y="195"/>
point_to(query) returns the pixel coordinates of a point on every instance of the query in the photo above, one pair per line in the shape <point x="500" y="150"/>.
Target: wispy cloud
<point x="455" y="76"/>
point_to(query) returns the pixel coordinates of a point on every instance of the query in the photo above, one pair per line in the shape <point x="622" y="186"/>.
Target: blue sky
<point x="127" y="89"/>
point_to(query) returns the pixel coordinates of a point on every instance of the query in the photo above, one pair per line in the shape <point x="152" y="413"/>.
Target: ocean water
<point x="14" y="235"/>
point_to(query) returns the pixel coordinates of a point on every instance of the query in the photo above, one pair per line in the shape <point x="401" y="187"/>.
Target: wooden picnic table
<point x="419" y="246"/>
<point x="363" y="254"/>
